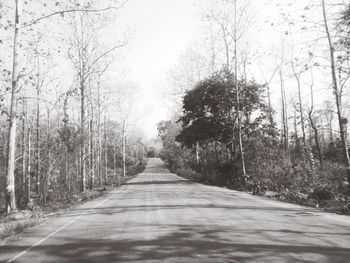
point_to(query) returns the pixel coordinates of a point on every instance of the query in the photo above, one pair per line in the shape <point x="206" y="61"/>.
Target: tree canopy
<point x="210" y="110"/>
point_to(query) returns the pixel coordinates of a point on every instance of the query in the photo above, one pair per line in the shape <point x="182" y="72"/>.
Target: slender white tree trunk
<point x="82" y="135"/>
<point x="38" y="179"/>
<point x="106" y="149"/>
<point x="99" y="129"/>
<point x="11" y="151"/>
<point x="24" y="156"/>
<point x="28" y="181"/>
<point x="123" y="150"/>
<point x="239" y="119"/>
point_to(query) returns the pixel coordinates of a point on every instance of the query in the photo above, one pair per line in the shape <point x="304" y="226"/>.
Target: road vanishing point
<point x="160" y="217"/>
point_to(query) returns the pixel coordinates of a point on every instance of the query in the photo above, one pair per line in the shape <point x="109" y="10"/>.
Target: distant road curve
<point x="160" y="217"/>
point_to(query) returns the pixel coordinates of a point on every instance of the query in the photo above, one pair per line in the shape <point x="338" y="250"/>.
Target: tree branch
<point x="62" y="12"/>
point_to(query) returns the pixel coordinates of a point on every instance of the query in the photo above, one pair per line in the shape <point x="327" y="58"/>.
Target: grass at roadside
<point x="339" y="205"/>
<point x="13" y="228"/>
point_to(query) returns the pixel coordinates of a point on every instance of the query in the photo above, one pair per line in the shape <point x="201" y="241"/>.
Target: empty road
<point x="160" y="217"/>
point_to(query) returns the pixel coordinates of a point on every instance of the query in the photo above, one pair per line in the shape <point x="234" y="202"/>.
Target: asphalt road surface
<point x="160" y="217"/>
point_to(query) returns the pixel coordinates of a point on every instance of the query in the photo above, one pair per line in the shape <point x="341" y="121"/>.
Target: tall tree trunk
<point x="297" y="76"/>
<point x="99" y="130"/>
<point x="313" y="124"/>
<point x="269" y="104"/>
<point x="216" y="153"/>
<point x="11" y="150"/>
<point x="331" y="128"/>
<point x="89" y="153"/>
<point x="123" y="151"/>
<point x="106" y="149"/>
<point x="337" y="95"/>
<point x="92" y="172"/>
<point x="28" y="179"/>
<point x="38" y="174"/>
<point x="284" y="113"/>
<point x="82" y="135"/>
<point x="316" y="137"/>
<point x="49" y="168"/>
<point x="24" y="158"/>
<point x="301" y="112"/>
<point x="91" y="139"/>
<point x="114" y="164"/>
<point x="66" y="170"/>
<point x="295" y="123"/>
<point x="237" y="87"/>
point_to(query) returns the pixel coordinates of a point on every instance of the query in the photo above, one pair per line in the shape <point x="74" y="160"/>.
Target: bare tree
<point x="85" y="55"/>
<point x="312" y="119"/>
<point x="284" y="113"/>
<point x="10" y="175"/>
<point x="128" y="93"/>
<point x="237" y="88"/>
<point x="337" y="94"/>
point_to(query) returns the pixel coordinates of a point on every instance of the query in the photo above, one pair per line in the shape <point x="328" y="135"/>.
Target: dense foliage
<point x="65" y="128"/>
<point x="202" y="145"/>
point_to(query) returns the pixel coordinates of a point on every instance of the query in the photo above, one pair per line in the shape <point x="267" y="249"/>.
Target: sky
<point x="158" y="32"/>
<point x="161" y="30"/>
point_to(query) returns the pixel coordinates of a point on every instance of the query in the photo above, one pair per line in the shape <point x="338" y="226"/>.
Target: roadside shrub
<point x="136" y="168"/>
<point x="189" y="174"/>
<point x="15" y="227"/>
<point x="322" y="193"/>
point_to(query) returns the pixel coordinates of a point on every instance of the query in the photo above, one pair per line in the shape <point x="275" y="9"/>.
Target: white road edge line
<point x="59" y="229"/>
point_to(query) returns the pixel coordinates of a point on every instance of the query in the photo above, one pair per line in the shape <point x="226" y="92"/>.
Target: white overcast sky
<point x="161" y="31"/>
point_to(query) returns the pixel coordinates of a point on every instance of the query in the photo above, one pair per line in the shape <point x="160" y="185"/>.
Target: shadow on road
<point x="156" y="168"/>
<point x="196" y="244"/>
<point x="160" y="182"/>
<point x="285" y="212"/>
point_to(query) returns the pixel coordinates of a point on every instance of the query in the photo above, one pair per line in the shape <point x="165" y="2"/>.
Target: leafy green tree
<point x="210" y="111"/>
<point x="209" y="125"/>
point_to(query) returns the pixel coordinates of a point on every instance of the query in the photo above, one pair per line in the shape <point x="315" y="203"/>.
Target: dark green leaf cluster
<point x="210" y="110"/>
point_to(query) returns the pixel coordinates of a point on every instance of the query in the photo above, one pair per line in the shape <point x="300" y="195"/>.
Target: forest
<point x="174" y="131"/>
<point x="261" y="102"/>
<point x="66" y="111"/>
